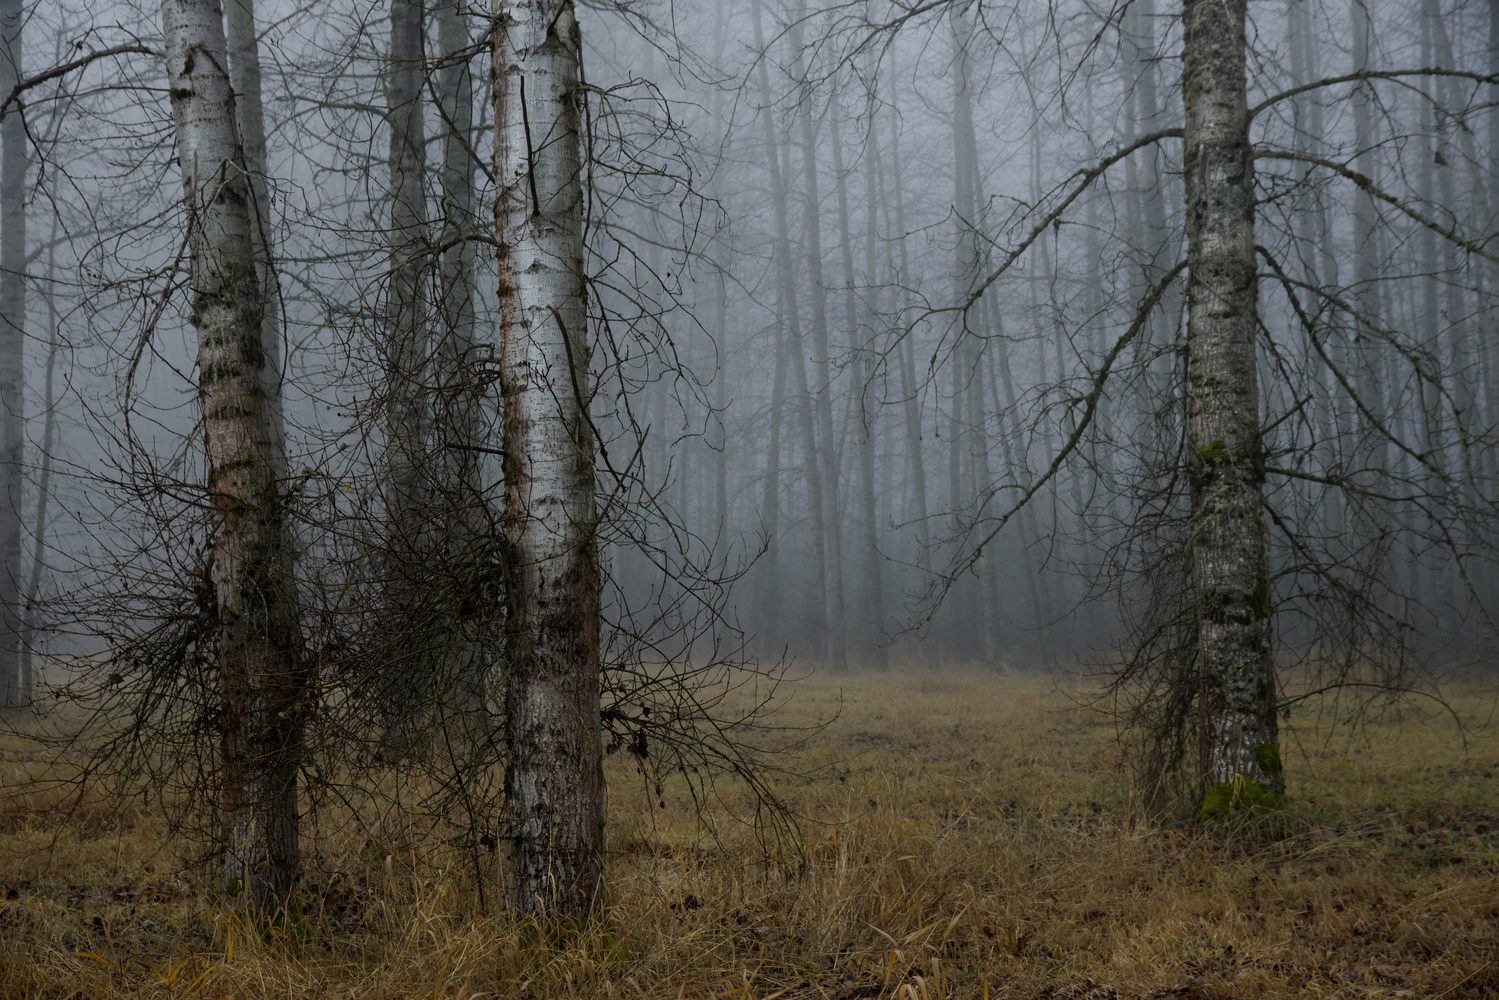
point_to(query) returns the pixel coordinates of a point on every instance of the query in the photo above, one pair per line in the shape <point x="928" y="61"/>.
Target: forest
<point x="895" y="498"/>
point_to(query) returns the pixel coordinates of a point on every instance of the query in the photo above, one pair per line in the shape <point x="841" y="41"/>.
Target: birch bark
<point x="265" y="694"/>
<point x="1229" y="541"/>
<point x="555" y="782"/>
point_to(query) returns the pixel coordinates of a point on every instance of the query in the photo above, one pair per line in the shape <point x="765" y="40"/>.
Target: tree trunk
<point x="968" y="392"/>
<point x="12" y="357"/>
<point x="718" y="439"/>
<point x="466" y="548"/>
<point x="768" y="619"/>
<point x="822" y="390"/>
<point x="870" y="598"/>
<point x="1488" y="464"/>
<point x="244" y="74"/>
<point x="408" y="540"/>
<point x="1229" y="541"/>
<point x="797" y="354"/>
<point x="44" y="477"/>
<point x="1469" y="358"/>
<point x="554" y="788"/>
<point x="1001" y="375"/>
<point x="1369" y="461"/>
<point x="865" y="434"/>
<point x="265" y="692"/>
<point x="905" y="352"/>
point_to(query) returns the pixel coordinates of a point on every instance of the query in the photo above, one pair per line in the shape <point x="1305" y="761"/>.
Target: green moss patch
<point x="1239" y="795"/>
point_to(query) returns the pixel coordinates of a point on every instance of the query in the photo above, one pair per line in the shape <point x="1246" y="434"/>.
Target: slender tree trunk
<point x="1229" y="541"/>
<point x="906" y="359"/>
<point x="1489" y="339"/>
<point x="871" y="597"/>
<point x="768" y="621"/>
<point x="1001" y="376"/>
<point x="1437" y="592"/>
<point x="719" y="443"/>
<point x="1160" y="246"/>
<point x="12" y="357"/>
<point x="244" y="73"/>
<point x="968" y="373"/>
<point x="721" y="408"/>
<point x="797" y="354"/>
<point x="266" y="697"/>
<point x="1156" y="407"/>
<point x="1369" y="462"/>
<point x="467" y="545"/>
<point x="408" y="538"/>
<point x="44" y="477"/>
<point x="1097" y="515"/>
<point x="865" y="434"/>
<point x="555" y="784"/>
<point x="822" y="390"/>
<point x="1469" y="358"/>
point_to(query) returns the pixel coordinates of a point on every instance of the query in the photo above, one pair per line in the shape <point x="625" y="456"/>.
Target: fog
<point x="885" y="370"/>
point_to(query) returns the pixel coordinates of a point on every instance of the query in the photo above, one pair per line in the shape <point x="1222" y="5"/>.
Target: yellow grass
<point x="963" y="836"/>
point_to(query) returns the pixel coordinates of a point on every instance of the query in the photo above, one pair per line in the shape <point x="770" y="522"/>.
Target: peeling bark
<point x="1229" y="540"/>
<point x="264" y="688"/>
<point x="555" y="782"/>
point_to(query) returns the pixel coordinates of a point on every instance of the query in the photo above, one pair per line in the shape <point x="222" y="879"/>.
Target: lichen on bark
<point x="1226" y="468"/>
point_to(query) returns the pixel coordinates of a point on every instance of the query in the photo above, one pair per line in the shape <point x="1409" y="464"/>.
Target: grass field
<point x="962" y="835"/>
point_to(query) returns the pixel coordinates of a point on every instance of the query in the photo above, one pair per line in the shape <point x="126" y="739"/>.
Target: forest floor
<point x="961" y="835"/>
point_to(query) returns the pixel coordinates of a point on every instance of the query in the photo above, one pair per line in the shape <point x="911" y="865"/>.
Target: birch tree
<point x="265" y="697"/>
<point x="1229" y="541"/>
<point x="554" y="787"/>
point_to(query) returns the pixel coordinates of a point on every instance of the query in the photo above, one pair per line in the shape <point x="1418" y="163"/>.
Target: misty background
<point x="850" y="307"/>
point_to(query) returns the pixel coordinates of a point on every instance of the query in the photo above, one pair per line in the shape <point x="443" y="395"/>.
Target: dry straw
<point x="962" y="836"/>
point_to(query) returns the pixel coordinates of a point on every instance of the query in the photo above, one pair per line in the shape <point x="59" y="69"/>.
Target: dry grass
<point x="963" y="836"/>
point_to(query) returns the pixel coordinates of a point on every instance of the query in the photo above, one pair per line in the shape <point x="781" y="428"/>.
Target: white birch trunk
<point x="1229" y="541"/>
<point x="555" y="781"/>
<point x="265" y="695"/>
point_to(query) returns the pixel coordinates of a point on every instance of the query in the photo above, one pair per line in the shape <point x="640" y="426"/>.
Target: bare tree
<point x="554" y="786"/>
<point x="1229" y="539"/>
<point x="264" y="689"/>
<point x="13" y="141"/>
